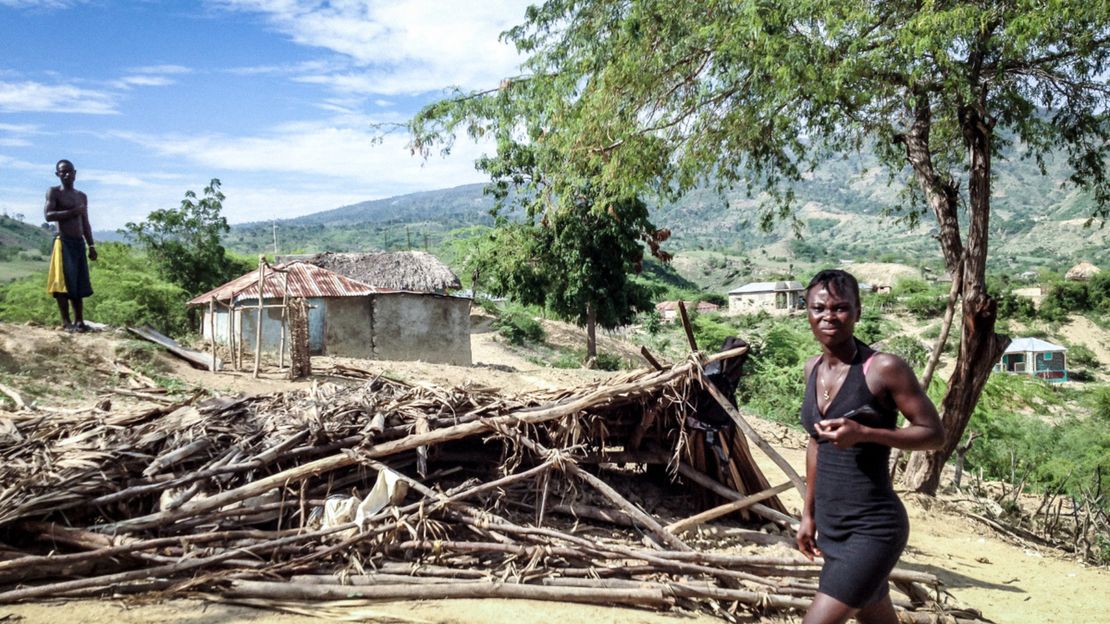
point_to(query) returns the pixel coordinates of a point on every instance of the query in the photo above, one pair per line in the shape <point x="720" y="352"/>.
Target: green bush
<point x="909" y="349"/>
<point x="609" y="361"/>
<point x="1081" y="355"/>
<point x="519" y="327"/>
<point x="710" y="330"/>
<point x="926" y="306"/>
<point x="128" y="291"/>
<point x="905" y="286"/>
<point x="774" y="378"/>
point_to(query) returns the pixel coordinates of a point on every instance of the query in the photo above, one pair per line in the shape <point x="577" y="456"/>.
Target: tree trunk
<point x="591" y="333"/>
<point x="980" y="347"/>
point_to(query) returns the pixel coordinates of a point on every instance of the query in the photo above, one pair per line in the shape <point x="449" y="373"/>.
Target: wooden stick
<point x="752" y="435"/>
<point x="686" y="325"/>
<point x="731" y="494"/>
<point x="661" y="534"/>
<point x="528" y="416"/>
<point x="651" y="359"/>
<point x="289" y="591"/>
<point x="258" y="317"/>
<point x="212" y="329"/>
<point x="684" y="525"/>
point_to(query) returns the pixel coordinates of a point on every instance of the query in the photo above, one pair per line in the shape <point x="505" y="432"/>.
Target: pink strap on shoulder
<point x="867" y="362"/>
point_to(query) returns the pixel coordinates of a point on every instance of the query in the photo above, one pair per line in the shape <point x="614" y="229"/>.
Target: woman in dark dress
<point x="852" y="517"/>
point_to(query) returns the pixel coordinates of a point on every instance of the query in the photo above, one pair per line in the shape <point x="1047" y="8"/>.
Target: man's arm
<point x="86" y="229"/>
<point x="51" y="211"/>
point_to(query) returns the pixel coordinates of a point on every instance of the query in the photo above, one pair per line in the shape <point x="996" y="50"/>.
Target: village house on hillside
<point x="782" y="297"/>
<point x="1036" y="358"/>
<point x="1082" y="272"/>
<point x="386" y="306"/>
<point x="668" y="310"/>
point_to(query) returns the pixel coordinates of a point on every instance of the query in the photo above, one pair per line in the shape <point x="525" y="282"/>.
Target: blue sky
<point x="277" y="98"/>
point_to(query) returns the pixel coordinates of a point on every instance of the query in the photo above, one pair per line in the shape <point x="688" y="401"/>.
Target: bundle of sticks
<point x="541" y="496"/>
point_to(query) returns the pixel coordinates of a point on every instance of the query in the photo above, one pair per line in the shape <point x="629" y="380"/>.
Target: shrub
<point x="909" y="349"/>
<point x="909" y="286"/>
<point x="128" y="291"/>
<point x="1080" y="355"/>
<point x="926" y="306"/>
<point x="608" y="361"/>
<point x="519" y="327"/>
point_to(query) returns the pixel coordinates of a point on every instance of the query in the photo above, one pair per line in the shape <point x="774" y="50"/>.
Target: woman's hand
<point x="843" y="432"/>
<point x="807" y="538"/>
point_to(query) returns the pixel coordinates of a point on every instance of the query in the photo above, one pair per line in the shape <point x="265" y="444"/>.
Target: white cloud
<point x="353" y="155"/>
<point x="36" y="97"/>
<point x="162" y="69"/>
<point x="320" y="166"/>
<point x="400" y="47"/>
<point x="39" y="4"/>
<point x="142" y="80"/>
<point x="19" y="128"/>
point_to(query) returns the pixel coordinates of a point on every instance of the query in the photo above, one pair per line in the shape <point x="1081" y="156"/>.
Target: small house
<point x="1036" y="358"/>
<point x="384" y="306"/>
<point x="668" y="310"/>
<point x="1082" y="272"/>
<point x="782" y="297"/>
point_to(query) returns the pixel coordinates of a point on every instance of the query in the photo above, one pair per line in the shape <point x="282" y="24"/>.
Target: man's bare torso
<point x="75" y="224"/>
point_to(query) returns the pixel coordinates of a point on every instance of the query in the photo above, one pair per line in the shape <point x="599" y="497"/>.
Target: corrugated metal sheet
<point x="304" y="280"/>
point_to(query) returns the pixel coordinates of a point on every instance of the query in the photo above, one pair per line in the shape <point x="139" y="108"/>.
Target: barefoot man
<point x="69" y="281"/>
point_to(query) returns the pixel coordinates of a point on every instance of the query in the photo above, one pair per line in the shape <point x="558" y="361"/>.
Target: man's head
<point x="65" y="172"/>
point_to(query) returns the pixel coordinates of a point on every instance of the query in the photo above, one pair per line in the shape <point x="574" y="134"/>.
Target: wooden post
<point x="284" y="315"/>
<point x="231" y="333"/>
<point x="258" y="316"/>
<point x="686" y="325"/>
<point x="212" y="329"/>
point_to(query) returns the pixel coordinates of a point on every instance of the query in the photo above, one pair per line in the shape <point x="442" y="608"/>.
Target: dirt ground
<point x="1007" y="582"/>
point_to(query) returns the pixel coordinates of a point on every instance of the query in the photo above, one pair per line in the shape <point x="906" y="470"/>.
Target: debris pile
<point x="367" y="488"/>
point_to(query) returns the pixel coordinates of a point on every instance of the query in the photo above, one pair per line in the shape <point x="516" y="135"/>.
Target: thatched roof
<point x="1082" y="272"/>
<point x="410" y="271"/>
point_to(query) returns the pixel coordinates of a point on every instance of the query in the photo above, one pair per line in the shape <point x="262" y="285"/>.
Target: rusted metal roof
<point x="304" y="280"/>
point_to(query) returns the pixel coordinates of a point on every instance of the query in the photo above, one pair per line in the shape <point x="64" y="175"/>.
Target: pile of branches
<point x="367" y="488"/>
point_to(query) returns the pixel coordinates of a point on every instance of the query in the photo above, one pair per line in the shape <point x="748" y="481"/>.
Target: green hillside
<point x="847" y="209"/>
<point x="23" y="248"/>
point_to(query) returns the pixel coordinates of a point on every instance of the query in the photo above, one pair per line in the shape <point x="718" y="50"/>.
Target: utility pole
<point x="273" y="225"/>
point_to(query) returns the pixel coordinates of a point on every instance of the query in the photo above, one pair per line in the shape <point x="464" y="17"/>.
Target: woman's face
<point x="832" y="316"/>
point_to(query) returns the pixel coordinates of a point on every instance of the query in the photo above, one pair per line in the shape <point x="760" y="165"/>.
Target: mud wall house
<point x="338" y="310"/>
<point x="414" y="314"/>
<point x="1036" y="358"/>
<point x="782" y="297"/>
<point x="668" y="310"/>
<point x="347" y="317"/>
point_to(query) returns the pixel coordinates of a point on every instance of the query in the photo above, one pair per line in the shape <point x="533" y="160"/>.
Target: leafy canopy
<point x="663" y="95"/>
<point x="184" y="244"/>
<point x="574" y="261"/>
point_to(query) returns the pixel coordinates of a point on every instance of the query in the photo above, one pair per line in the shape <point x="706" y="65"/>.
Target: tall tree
<point x="670" y="94"/>
<point x="577" y="262"/>
<point x="185" y="243"/>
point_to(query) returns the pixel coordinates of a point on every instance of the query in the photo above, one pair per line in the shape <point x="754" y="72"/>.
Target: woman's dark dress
<point x="861" y="525"/>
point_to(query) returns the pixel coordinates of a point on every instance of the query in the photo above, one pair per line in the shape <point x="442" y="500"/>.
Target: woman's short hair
<point x="841" y="282"/>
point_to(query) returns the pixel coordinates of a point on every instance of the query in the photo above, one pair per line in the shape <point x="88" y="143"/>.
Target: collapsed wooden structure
<point x="366" y="488"/>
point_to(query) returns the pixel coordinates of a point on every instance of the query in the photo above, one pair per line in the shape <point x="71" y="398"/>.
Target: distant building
<point x="771" y="297"/>
<point x="1082" y="272"/>
<point x="668" y="310"/>
<point x="1036" y="358"/>
<point x="385" y="306"/>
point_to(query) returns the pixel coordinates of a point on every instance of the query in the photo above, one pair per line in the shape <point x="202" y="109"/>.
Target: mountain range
<point x="847" y="208"/>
